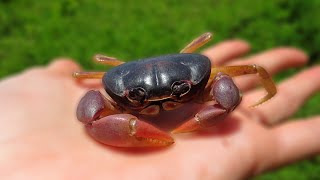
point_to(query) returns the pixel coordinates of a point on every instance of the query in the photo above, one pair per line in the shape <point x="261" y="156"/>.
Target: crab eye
<point x="137" y="94"/>
<point x="180" y="88"/>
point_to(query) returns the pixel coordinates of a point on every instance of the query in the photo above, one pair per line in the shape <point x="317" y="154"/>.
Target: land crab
<point x="151" y="86"/>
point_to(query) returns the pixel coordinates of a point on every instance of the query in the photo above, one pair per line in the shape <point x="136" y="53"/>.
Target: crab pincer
<point x="122" y="130"/>
<point x="226" y="96"/>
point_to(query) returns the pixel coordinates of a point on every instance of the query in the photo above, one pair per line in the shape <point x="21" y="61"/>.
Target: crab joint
<point x="207" y="117"/>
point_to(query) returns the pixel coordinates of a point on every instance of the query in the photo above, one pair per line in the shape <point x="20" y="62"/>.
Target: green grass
<point x="34" y="32"/>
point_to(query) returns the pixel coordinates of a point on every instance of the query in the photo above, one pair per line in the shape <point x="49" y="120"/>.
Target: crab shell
<point x="155" y="78"/>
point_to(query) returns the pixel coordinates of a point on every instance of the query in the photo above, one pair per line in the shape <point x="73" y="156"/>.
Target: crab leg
<point x="88" y="75"/>
<point x="107" y="60"/>
<point x="104" y="123"/>
<point x="197" y="43"/>
<point x="226" y="97"/>
<point x="98" y="75"/>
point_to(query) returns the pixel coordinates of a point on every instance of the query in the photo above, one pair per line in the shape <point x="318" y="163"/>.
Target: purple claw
<point x="90" y="107"/>
<point x="122" y="130"/>
<point x="126" y="130"/>
<point x="225" y="92"/>
<point x="227" y="96"/>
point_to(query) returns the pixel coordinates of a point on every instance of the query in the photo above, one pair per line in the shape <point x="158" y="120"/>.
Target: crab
<point x="139" y="91"/>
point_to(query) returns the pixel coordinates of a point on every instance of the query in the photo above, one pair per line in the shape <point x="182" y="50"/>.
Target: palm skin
<point x="41" y="137"/>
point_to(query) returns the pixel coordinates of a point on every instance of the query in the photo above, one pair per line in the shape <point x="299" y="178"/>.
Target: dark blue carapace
<point x="157" y="79"/>
<point x="145" y="96"/>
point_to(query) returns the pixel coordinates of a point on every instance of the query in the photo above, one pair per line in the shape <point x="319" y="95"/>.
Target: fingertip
<point x="64" y="65"/>
<point x="237" y="44"/>
<point x="297" y="139"/>
<point x="295" y="54"/>
<point x="240" y="43"/>
<point x="312" y="73"/>
<point x="227" y="50"/>
<point x="315" y="70"/>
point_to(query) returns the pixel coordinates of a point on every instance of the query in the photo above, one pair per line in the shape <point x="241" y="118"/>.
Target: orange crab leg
<point x="88" y="75"/>
<point x="107" y="60"/>
<point x="197" y="43"/>
<point x="98" y="75"/>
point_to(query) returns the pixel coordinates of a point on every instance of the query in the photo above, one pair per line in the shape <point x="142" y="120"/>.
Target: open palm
<point x="41" y="138"/>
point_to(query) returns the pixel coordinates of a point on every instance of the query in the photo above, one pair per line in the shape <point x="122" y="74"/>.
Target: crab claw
<point x="122" y="130"/>
<point x="94" y="105"/>
<point x="125" y="130"/>
<point x="227" y="97"/>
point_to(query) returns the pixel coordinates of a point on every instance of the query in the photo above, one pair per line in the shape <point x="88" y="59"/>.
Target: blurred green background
<point x="34" y="32"/>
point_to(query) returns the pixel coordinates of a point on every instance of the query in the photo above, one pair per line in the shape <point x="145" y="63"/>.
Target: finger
<point x="63" y="66"/>
<point x="292" y="93"/>
<point x="66" y="67"/>
<point x="226" y="51"/>
<point x="273" y="61"/>
<point x="90" y="84"/>
<point x="292" y="141"/>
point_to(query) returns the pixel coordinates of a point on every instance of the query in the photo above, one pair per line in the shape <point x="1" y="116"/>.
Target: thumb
<point x="63" y="66"/>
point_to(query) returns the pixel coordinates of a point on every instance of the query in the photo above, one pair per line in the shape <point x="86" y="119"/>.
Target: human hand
<point x="41" y="137"/>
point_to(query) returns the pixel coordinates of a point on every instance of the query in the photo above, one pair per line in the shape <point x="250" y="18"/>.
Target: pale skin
<point x="42" y="139"/>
